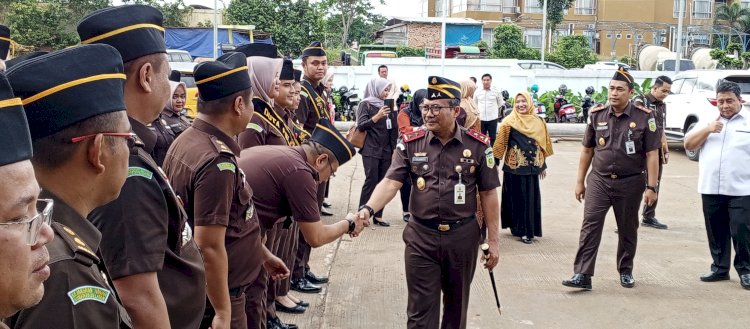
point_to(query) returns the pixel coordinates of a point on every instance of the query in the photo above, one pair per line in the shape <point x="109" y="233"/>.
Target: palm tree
<point x="731" y="14"/>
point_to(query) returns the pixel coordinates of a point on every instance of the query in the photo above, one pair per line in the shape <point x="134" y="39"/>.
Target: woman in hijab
<point x="470" y="107"/>
<point x="264" y="74"/>
<point x="410" y="118"/>
<point x="379" y="121"/>
<point x="523" y="143"/>
<point x="327" y="92"/>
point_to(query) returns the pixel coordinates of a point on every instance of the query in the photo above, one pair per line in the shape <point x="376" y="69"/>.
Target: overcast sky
<point x="404" y="8"/>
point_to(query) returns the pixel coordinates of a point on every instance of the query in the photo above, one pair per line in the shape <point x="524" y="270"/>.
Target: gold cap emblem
<point x="467" y="153"/>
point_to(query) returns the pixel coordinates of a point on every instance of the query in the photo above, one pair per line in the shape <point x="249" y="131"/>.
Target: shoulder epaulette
<point x="80" y="250"/>
<point x="138" y="141"/>
<point x="223" y="148"/>
<point x="479" y="136"/>
<point x="414" y="135"/>
<point x="642" y="108"/>
<point x="597" y="108"/>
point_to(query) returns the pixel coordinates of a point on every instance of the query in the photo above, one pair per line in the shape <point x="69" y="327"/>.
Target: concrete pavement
<point x="368" y="287"/>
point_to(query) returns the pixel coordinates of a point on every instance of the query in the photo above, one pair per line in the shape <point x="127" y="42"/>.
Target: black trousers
<point x="405" y="194"/>
<point x="375" y="170"/>
<point x="489" y="128"/>
<point x="728" y="223"/>
<point x="650" y="211"/>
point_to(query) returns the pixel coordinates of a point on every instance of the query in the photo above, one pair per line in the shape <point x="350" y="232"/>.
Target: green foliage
<point x="572" y="51"/>
<point x="730" y="14"/>
<point x="725" y="61"/>
<point x="601" y="96"/>
<point x="641" y="89"/>
<point x="175" y="12"/>
<point x="404" y="51"/>
<point x="481" y="44"/>
<point x="732" y="47"/>
<point x="509" y="43"/>
<point x="50" y="25"/>
<point x="348" y="11"/>
<point x="362" y="29"/>
<point x="629" y="60"/>
<point x="555" y="11"/>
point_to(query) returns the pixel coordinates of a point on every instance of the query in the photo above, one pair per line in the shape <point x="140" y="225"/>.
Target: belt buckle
<point x="444" y="227"/>
<point x="613" y="176"/>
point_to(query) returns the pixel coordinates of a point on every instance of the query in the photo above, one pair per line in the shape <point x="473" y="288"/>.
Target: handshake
<point x="360" y="220"/>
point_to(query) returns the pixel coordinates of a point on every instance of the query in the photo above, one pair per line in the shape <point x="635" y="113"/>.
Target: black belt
<point x="616" y="176"/>
<point x="236" y="292"/>
<point x="444" y="225"/>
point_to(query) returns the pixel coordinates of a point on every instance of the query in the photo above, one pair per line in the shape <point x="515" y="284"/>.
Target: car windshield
<point x="188" y="80"/>
<point x="744" y="82"/>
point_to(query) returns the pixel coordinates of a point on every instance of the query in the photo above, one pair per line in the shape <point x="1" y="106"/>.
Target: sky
<point x="403" y="8"/>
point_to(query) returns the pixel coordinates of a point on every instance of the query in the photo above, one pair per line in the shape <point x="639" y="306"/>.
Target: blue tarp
<point x="462" y="35"/>
<point x="199" y="41"/>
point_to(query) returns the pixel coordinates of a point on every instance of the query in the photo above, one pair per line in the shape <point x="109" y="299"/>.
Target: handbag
<point x="356" y="137"/>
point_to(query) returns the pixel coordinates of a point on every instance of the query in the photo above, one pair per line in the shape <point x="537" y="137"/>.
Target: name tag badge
<point x="630" y="147"/>
<point x="419" y="159"/>
<point x="388" y="124"/>
<point x="598" y="128"/>
<point x="459" y="194"/>
<point x="465" y="160"/>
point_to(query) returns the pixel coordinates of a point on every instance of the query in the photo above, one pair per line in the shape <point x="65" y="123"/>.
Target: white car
<point x="179" y="56"/>
<point x="693" y="99"/>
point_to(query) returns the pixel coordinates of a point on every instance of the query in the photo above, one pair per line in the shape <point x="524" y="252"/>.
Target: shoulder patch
<point x="227" y="166"/>
<point x="641" y="107"/>
<point x="597" y="108"/>
<point x="652" y="124"/>
<point x="93" y="293"/>
<point x="255" y="126"/>
<point x="489" y="157"/>
<point x="414" y="135"/>
<point x="140" y="172"/>
<point x="304" y="93"/>
<point x="479" y="136"/>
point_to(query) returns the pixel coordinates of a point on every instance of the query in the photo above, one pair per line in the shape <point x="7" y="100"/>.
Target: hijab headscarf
<point x="263" y="73"/>
<point x="467" y="103"/>
<point x="373" y="90"/>
<point x="527" y="124"/>
<point x="415" y="114"/>
<point x="173" y="88"/>
<point x="329" y="74"/>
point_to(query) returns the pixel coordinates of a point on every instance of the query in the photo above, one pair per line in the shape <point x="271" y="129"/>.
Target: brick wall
<point x="423" y="35"/>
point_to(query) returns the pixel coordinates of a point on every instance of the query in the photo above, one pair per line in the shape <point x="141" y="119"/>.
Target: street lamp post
<point x="678" y="50"/>
<point x="544" y="28"/>
<point x="216" y="30"/>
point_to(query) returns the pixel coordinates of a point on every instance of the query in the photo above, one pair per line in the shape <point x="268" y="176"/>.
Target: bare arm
<point x="491" y="210"/>
<point x="210" y="239"/>
<point x="652" y="167"/>
<point x="584" y="162"/>
<point x="142" y="298"/>
<point x="316" y="234"/>
<point x="384" y="193"/>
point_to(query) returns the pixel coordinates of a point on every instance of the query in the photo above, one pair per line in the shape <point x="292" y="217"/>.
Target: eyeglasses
<point x="33" y="226"/>
<point x="333" y="173"/>
<point x="129" y="136"/>
<point x="434" y="109"/>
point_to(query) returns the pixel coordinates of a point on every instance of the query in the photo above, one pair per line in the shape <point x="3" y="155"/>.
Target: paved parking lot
<point x="368" y="288"/>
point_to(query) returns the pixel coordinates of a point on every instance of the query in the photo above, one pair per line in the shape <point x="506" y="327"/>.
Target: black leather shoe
<point x="314" y="279"/>
<point x="326" y="204"/>
<point x="297" y="309"/>
<point x="275" y="323"/>
<point x="745" y="281"/>
<point x="626" y="280"/>
<point x="303" y="303"/>
<point x="292" y="326"/>
<point x="653" y="222"/>
<point x="304" y="286"/>
<point x="324" y="212"/>
<point x="380" y="222"/>
<point x="714" y="276"/>
<point x="579" y="280"/>
<point x="407" y="217"/>
<point x="525" y="240"/>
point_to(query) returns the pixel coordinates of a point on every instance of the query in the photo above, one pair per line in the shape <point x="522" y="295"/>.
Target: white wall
<point x="505" y="73"/>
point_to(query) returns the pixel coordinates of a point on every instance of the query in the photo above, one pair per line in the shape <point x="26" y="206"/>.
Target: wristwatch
<point x="369" y="209"/>
<point x="649" y="187"/>
<point x="352" y="226"/>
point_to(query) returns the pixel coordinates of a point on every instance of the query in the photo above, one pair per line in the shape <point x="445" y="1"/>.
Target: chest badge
<point x="602" y="141"/>
<point x="421" y="184"/>
<point x="632" y="125"/>
<point x="467" y="153"/>
<point x="472" y="169"/>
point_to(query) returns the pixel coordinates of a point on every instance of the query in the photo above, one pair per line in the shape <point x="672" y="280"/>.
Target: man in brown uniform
<point x="81" y="137"/>
<point x="148" y="248"/>
<point x="621" y="141"/>
<point x="289" y="177"/>
<point x="654" y="100"/>
<point x="311" y="110"/>
<point x="202" y="166"/>
<point x="447" y="165"/>
<point x="24" y="224"/>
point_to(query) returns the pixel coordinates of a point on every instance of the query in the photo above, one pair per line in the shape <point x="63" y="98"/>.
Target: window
<point x="675" y="9"/>
<point x="609" y="36"/>
<point x="619" y="36"/>
<point x="687" y="87"/>
<point x="509" y="6"/>
<point x="533" y="7"/>
<point x="533" y="38"/>
<point x="585" y="7"/>
<point x="676" y="85"/>
<point x="745" y="3"/>
<point x="628" y="36"/>
<point x="487" y="36"/>
<point x="702" y="9"/>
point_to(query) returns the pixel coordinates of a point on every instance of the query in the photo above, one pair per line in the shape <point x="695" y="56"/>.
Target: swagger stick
<point x="486" y="250"/>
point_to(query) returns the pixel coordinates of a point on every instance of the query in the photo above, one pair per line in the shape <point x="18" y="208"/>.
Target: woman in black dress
<point x="523" y="144"/>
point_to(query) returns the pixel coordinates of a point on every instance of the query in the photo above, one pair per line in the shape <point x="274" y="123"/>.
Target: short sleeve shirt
<point x="435" y="167"/>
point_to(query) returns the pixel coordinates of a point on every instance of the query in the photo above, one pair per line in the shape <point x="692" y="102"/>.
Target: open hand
<point x="276" y="268"/>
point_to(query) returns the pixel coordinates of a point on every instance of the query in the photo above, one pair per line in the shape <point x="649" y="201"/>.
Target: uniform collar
<point x="146" y="135"/>
<point x="220" y="135"/>
<point x="303" y="155"/>
<point x="627" y="112"/>
<point x="171" y="113"/>
<point x="457" y="135"/>
<point x="652" y="99"/>
<point x="67" y="216"/>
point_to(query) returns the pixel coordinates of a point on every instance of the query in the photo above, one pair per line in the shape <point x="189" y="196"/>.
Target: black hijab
<point x="415" y="114"/>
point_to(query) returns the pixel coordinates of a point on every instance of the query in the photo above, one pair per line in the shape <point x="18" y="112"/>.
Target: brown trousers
<point x="439" y="261"/>
<point x="624" y="197"/>
<point x="287" y="252"/>
<point x="273" y="241"/>
<point x="255" y="302"/>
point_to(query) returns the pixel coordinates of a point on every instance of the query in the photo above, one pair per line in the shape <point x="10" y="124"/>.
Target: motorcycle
<point x="568" y="113"/>
<point x="349" y="100"/>
<point x="541" y="111"/>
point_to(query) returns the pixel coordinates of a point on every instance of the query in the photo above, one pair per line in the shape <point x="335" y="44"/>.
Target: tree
<point x="175" y="11"/>
<point x="555" y="11"/>
<point x="731" y="14"/>
<point x="572" y="51"/>
<point x="348" y="11"/>
<point x="508" y="43"/>
<point x="363" y="28"/>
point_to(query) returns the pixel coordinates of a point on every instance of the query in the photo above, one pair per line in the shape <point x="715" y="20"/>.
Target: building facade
<point x="615" y="28"/>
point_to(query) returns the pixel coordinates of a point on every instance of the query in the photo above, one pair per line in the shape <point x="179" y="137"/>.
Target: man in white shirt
<point x="488" y="101"/>
<point x="724" y="183"/>
<point x="383" y="73"/>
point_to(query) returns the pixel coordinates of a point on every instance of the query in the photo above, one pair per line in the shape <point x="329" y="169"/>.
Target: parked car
<point x="186" y="70"/>
<point x="533" y="64"/>
<point x="693" y="99"/>
<point x="610" y="65"/>
<point x="179" y="56"/>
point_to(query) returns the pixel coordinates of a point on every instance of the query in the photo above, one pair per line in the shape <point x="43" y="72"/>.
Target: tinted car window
<point x="744" y="83"/>
<point x="704" y="86"/>
<point x="687" y="86"/>
<point x="186" y="58"/>
<point x="188" y="80"/>
<point x="525" y="66"/>
<point x="676" y="86"/>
